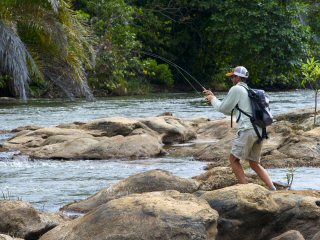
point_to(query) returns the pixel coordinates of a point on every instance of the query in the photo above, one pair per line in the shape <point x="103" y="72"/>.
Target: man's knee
<point x="233" y="159"/>
<point x="254" y="164"/>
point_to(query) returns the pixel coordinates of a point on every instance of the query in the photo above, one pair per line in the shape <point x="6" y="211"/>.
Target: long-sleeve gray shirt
<point x="238" y="94"/>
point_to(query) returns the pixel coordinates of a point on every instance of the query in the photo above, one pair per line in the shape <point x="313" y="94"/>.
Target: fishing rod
<point x="179" y="69"/>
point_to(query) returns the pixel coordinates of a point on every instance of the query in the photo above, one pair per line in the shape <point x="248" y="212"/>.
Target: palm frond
<point x="14" y="58"/>
<point x="57" y="38"/>
<point x="80" y="40"/>
<point x="61" y="73"/>
<point x="43" y="22"/>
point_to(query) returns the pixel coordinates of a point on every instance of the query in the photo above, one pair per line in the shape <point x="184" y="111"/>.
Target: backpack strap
<point x="238" y="118"/>
<point x="264" y="132"/>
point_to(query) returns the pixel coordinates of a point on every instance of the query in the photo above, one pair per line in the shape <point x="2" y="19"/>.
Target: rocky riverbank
<point x="159" y="205"/>
<point x="293" y="140"/>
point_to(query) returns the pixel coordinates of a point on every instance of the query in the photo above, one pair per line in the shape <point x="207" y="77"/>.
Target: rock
<point x="157" y="215"/>
<point x="61" y="143"/>
<point x="290" y="235"/>
<point x="316" y="237"/>
<point x="21" y="220"/>
<point x="249" y="211"/>
<point x="165" y="114"/>
<point x="8" y="100"/>
<point x="154" y="180"/>
<point x="220" y="177"/>
<point x="29" y="127"/>
<point x="296" y="116"/>
<point x="102" y="138"/>
<point x="174" y="130"/>
<point x="244" y="210"/>
<point x="136" y="146"/>
<point x="6" y="237"/>
<point x="110" y="127"/>
<point x="298" y="212"/>
<point x="293" y="140"/>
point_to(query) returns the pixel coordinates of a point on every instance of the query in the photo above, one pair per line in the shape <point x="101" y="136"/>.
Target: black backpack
<point x="261" y="115"/>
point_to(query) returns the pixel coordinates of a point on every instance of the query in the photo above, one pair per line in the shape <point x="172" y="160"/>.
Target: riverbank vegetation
<point x="117" y="47"/>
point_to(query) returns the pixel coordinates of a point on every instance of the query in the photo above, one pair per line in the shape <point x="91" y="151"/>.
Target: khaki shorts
<point x="246" y="146"/>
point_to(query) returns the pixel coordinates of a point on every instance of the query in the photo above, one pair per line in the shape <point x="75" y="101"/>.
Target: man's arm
<point x="228" y="103"/>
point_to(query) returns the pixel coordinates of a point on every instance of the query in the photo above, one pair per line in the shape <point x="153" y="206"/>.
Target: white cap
<point x="239" y="71"/>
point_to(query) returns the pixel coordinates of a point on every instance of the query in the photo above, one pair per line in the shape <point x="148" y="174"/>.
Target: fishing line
<point x="189" y="83"/>
<point x="177" y="67"/>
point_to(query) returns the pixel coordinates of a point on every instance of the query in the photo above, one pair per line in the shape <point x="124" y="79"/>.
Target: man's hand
<point x="207" y="92"/>
<point x="209" y="98"/>
<point x="209" y="95"/>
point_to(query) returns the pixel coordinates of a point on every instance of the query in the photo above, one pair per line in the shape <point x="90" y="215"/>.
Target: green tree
<point x="311" y="76"/>
<point x="208" y="37"/>
<point x="46" y="42"/>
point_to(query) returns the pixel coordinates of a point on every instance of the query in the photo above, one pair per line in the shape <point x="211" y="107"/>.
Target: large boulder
<point x="298" y="212"/>
<point x="154" y="180"/>
<point x="249" y="211"/>
<point x="20" y="219"/>
<point x="244" y="210"/>
<point x="158" y="215"/>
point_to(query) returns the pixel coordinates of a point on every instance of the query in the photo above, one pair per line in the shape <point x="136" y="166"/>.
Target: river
<point x="50" y="184"/>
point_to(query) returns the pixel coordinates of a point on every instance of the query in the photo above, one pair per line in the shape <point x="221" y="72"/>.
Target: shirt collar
<point x="242" y="83"/>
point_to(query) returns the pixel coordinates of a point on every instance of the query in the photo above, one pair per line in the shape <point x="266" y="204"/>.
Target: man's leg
<point x="262" y="173"/>
<point x="237" y="169"/>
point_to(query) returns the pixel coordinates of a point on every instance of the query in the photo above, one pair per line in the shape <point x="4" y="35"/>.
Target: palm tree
<point x="44" y="39"/>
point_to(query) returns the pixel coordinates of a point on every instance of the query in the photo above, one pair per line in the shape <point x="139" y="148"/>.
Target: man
<point x="246" y="145"/>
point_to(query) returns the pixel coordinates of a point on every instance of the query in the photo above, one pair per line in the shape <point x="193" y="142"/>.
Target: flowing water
<point x="49" y="184"/>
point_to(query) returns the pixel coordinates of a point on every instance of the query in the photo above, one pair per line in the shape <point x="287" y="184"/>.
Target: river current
<point x="50" y="184"/>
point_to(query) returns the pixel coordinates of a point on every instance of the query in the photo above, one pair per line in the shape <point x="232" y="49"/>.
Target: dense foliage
<point x="142" y="45"/>
<point x="209" y="37"/>
<point x="311" y="76"/>
<point x="43" y="44"/>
